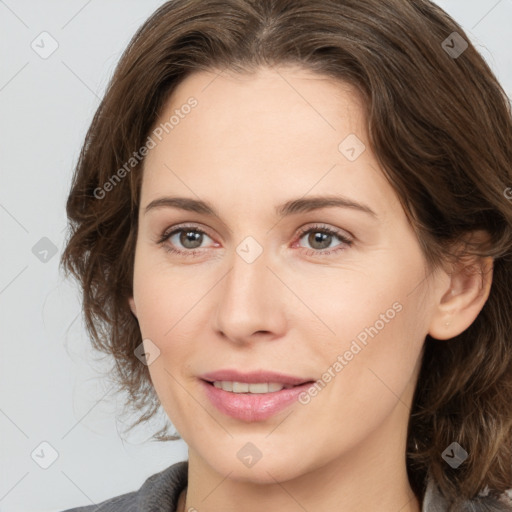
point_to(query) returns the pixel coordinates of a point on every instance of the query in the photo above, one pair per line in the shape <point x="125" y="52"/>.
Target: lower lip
<point x="252" y="406"/>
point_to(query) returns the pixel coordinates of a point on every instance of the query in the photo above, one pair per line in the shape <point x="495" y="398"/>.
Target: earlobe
<point x="131" y="302"/>
<point x="460" y="304"/>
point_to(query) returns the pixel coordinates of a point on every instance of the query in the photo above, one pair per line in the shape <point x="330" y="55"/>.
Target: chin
<point x="266" y="470"/>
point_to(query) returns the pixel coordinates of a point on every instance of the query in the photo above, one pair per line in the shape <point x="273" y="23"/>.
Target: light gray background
<point x="49" y="391"/>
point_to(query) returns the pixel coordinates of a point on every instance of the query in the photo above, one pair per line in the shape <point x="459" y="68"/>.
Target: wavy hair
<point x="440" y="126"/>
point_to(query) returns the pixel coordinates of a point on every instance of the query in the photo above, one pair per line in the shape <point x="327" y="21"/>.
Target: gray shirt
<point x="160" y="493"/>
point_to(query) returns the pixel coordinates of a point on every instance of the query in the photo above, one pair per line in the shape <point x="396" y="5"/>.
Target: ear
<point x="131" y="302"/>
<point x="462" y="299"/>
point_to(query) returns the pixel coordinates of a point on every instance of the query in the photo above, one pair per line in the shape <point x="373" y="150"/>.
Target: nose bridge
<point x="250" y="266"/>
<point x="249" y="276"/>
<point x="249" y="301"/>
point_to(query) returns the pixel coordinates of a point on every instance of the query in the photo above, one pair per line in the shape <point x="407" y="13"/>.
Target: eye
<point x="189" y="237"/>
<point x="321" y="237"/>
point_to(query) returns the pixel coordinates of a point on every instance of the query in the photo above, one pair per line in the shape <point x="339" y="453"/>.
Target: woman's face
<point x="277" y="280"/>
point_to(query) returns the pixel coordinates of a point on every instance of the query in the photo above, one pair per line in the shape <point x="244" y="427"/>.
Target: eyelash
<point x="310" y="252"/>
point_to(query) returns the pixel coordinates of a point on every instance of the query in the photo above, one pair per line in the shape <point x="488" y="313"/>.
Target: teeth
<point x="244" y="387"/>
<point x="240" y="387"/>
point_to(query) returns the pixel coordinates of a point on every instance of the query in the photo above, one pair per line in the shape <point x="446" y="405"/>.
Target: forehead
<point x="270" y="100"/>
<point x="277" y="131"/>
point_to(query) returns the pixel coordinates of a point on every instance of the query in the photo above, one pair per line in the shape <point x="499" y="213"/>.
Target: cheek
<point x="379" y="329"/>
<point x="168" y="306"/>
<point x="355" y="304"/>
<point x="164" y="295"/>
<point x="363" y="383"/>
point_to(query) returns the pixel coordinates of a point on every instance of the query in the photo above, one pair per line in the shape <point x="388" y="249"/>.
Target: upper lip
<point x="253" y="377"/>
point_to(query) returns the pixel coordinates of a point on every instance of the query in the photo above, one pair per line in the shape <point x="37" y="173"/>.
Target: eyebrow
<point x="294" y="206"/>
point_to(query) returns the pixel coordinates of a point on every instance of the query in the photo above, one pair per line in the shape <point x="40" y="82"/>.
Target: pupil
<point x="320" y="237"/>
<point x="190" y="237"/>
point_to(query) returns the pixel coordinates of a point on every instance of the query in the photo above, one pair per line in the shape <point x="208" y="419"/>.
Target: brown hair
<point x="440" y="127"/>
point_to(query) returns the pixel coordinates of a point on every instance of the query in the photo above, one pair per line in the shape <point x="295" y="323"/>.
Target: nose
<point x="251" y="301"/>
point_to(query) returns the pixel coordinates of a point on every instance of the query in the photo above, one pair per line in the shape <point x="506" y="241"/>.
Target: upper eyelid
<point x="324" y="227"/>
<point x="178" y="228"/>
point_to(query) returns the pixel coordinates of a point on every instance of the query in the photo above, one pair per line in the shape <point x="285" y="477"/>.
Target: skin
<point x="252" y="143"/>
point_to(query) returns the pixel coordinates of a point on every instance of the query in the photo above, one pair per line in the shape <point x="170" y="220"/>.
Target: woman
<point x="293" y="228"/>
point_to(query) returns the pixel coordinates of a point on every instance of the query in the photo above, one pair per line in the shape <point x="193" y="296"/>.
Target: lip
<point x="252" y="407"/>
<point x="254" y="377"/>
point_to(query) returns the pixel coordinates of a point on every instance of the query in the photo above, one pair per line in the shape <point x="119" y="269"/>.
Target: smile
<point x="251" y="402"/>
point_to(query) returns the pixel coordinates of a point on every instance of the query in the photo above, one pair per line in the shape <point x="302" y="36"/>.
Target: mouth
<point x="254" y="396"/>
<point x="256" y="382"/>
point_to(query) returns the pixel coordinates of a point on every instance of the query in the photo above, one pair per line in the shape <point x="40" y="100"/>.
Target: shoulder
<point x="434" y="501"/>
<point x="159" y="492"/>
<point x="125" y="502"/>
